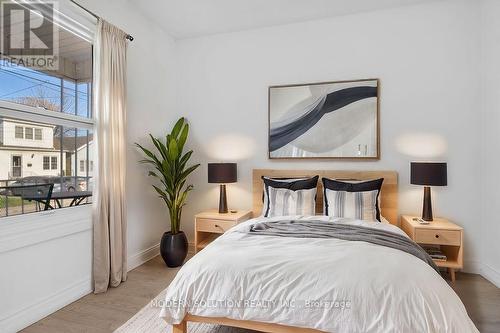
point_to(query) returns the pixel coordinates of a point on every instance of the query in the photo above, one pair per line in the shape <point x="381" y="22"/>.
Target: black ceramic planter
<point x="174" y="248"/>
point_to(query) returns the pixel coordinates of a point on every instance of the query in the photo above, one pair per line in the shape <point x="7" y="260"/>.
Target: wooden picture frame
<point x="337" y="120"/>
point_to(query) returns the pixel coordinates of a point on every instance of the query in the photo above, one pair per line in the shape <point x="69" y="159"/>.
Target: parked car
<point x="27" y="185"/>
<point x="61" y="184"/>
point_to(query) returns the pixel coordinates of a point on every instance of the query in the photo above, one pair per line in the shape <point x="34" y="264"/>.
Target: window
<point x="46" y="163"/>
<point x="19" y="132"/>
<point x="28" y="133"/>
<point x="60" y="159"/>
<point x="91" y="166"/>
<point x="50" y="110"/>
<point x="53" y="162"/>
<point x="38" y="134"/>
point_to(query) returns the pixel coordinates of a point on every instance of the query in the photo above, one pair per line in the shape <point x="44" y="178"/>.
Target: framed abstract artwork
<point x="332" y="120"/>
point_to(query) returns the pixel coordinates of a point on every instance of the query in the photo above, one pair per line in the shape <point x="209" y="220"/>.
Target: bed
<point x="287" y="284"/>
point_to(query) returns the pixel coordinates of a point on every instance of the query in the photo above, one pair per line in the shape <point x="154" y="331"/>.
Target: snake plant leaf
<point x="188" y="171"/>
<point x="183" y="137"/>
<point x="168" y="140"/>
<point x="185" y="158"/>
<point x="177" y="128"/>
<point x="160" y="191"/>
<point x="184" y="194"/>
<point x="181" y="185"/>
<point x="173" y="151"/>
<point x="160" y="147"/>
<point x="147" y="161"/>
<point x="148" y="153"/>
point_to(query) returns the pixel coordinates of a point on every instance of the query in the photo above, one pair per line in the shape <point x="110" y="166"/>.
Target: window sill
<point x="29" y="229"/>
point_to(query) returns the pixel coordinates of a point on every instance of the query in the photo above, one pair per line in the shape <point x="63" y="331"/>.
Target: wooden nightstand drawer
<point x="215" y="226"/>
<point x="210" y="225"/>
<point x="439" y="237"/>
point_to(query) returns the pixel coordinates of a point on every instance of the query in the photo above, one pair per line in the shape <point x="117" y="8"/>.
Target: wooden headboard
<point x="388" y="194"/>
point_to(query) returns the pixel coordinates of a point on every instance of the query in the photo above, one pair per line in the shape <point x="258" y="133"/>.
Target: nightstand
<point x="210" y="225"/>
<point x="442" y="232"/>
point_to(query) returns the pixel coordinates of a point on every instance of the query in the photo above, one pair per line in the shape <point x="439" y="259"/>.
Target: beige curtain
<point x="110" y="265"/>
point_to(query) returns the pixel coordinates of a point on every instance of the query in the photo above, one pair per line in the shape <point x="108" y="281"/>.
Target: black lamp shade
<point x="222" y="173"/>
<point x="428" y="174"/>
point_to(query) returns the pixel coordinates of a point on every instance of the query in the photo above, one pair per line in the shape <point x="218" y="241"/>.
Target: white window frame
<point x="52" y="158"/>
<point x="40" y="131"/>
<point x="28" y="129"/>
<point x="43" y="162"/>
<point x="16" y="127"/>
<point x="20" y="166"/>
<point x="38" y="115"/>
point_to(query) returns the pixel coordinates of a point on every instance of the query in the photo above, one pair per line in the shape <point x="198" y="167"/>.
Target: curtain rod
<point x="129" y="37"/>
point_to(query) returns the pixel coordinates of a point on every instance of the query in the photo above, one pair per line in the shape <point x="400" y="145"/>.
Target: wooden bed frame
<point x="388" y="207"/>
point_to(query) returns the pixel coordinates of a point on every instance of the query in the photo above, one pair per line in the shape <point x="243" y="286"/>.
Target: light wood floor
<point x="106" y="312"/>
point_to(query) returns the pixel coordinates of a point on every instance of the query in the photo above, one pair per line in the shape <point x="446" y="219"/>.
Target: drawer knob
<point x="437" y="236"/>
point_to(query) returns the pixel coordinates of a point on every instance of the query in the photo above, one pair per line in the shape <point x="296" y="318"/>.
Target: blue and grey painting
<point x="324" y="120"/>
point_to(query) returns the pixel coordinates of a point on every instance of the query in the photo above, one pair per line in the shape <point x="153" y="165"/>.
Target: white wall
<point x="427" y="59"/>
<point x="490" y="139"/>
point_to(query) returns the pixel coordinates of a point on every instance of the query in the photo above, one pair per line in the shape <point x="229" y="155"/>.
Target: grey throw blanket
<point x="318" y="229"/>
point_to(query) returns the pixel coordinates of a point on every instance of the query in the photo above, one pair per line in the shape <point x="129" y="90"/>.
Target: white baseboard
<point x="491" y="274"/>
<point x="486" y="271"/>
<point x="21" y="318"/>
<point x="140" y="258"/>
<point x="472" y="266"/>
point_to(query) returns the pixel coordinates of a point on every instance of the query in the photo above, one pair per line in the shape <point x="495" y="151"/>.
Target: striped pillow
<point x="357" y="200"/>
<point x="283" y="202"/>
<point x="296" y="196"/>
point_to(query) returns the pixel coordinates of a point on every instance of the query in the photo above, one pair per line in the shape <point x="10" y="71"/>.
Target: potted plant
<point x="170" y="167"/>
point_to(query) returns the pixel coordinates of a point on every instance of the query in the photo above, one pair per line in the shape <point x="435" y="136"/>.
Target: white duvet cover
<point x="327" y="284"/>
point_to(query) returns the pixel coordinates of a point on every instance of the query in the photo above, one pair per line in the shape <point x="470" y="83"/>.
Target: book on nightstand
<point x="435" y="253"/>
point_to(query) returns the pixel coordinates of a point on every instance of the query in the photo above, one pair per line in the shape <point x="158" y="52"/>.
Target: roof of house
<point x="71" y="143"/>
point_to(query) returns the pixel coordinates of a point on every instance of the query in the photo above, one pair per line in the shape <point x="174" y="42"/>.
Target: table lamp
<point x="222" y="173"/>
<point x="428" y="174"/>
